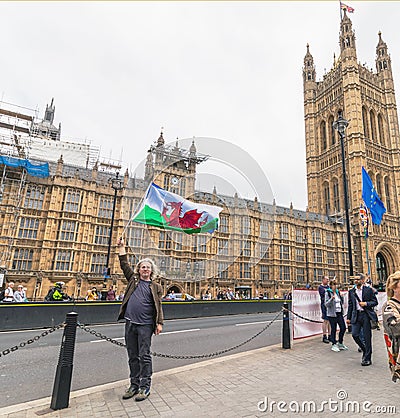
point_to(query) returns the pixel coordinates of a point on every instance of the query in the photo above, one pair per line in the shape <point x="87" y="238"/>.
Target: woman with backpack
<point x="334" y="312"/>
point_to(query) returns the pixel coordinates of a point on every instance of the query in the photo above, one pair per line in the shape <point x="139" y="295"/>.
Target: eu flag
<point x="371" y="199"/>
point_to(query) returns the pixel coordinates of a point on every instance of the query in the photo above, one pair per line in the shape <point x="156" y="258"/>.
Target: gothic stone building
<point x="367" y="99"/>
<point x="58" y="230"/>
<point x="58" y="227"/>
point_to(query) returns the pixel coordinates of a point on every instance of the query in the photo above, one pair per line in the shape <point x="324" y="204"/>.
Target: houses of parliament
<point x="56" y="226"/>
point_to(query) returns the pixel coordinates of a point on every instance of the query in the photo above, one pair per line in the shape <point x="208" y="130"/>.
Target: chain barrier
<point x="302" y="317"/>
<point x="307" y="319"/>
<point x="100" y="335"/>
<point x="183" y="357"/>
<point x="32" y="340"/>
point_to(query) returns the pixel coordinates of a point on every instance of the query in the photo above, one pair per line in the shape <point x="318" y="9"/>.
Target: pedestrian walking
<point x="143" y="314"/>
<point x="334" y="312"/>
<point x="362" y="301"/>
<point x="325" y="324"/>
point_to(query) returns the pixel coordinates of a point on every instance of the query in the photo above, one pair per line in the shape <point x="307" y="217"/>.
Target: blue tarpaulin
<point x="36" y="170"/>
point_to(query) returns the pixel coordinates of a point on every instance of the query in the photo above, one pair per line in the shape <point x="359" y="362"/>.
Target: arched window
<point x="381" y="269"/>
<point x="365" y="122"/>
<point x="387" y="194"/>
<point x="166" y="182"/>
<point x="381" y="130"/>
<point x="327" y="202"/>
<point x="336" y="199"/>
<point x="182" y="187"/>
<point x="323" y="136"/>
<point x="331" y="130"/>
<point x="373" y="125"/>
<point x="379" y="184"/>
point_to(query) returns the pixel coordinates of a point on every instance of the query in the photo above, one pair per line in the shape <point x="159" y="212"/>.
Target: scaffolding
<point x="15" y="127"/>
<point x="11" y="187"/>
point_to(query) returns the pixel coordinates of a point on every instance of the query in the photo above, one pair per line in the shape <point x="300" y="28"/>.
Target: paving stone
<point x="308" y="372"/>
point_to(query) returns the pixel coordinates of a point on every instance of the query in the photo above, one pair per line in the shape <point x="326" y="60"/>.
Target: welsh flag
<point x="170" y="211"/>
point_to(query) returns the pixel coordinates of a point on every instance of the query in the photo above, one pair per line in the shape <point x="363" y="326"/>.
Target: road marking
<point x="183" y="330"/>
<point x="256" y="323"/>
<point x="105" y="341"/>
<point x="163" y="333"/>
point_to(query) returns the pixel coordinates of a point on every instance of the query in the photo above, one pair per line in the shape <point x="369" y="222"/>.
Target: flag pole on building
<point x="343" y="6"/>
<point x="364" y="218"/>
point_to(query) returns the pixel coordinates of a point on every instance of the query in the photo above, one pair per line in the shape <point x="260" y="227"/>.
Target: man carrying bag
<point x="362" y="301"/>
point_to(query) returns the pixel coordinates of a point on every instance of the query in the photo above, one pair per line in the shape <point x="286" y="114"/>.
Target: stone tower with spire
<point x="366" y="99"/>
<point x="45" y="128"/>
<point x="172" y="167"/>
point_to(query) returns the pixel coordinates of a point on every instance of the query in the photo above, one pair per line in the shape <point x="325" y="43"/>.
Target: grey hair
<point x="391" y="283"/>
<point x="154" y="269"/>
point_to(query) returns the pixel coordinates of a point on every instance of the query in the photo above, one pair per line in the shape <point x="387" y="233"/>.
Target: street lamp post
<point x="340" y="125"/>
<point x="78" y="284"/>
<point x="117" y="184"/>
<point x="3" y="272"/>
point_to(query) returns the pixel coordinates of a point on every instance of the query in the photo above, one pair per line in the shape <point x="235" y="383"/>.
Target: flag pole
<point x="366" y="244"/>
<point x="366" y="249"/>
<point x="137" y="210"/>
<point x="340" y="8"/>
<point x="364" y="217"/>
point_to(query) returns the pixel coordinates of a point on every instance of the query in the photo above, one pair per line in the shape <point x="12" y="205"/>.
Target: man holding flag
<point x="141" y="307"/>
<point x="143" y="314"/>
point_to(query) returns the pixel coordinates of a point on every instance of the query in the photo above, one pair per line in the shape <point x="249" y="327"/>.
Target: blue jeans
<point x="334" y="322"/>
<point x="138" y="342"/>
<point x="363" y="326"/>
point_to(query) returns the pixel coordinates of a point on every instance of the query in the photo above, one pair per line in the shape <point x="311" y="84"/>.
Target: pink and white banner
<point x="307" y="304"/>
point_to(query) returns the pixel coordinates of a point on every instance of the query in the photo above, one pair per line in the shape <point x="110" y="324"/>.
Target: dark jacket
<point x="156" y="291"/>
<point x="368" y="296"/>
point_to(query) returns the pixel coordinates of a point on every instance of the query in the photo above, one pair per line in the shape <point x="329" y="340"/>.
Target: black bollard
<point x="62" y="381"/>
<point x="286" y="327"/>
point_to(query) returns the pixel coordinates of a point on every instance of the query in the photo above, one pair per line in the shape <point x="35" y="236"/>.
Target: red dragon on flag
<point x="172" y="212"/>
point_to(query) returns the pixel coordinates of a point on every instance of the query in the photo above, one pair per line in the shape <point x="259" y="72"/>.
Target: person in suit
<point x="362" y="301"/>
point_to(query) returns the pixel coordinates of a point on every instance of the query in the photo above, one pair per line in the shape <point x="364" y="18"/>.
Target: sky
<point x="119" y="71"/>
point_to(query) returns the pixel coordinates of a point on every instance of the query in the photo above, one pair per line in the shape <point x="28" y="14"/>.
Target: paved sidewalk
<point x="234" y="386"/>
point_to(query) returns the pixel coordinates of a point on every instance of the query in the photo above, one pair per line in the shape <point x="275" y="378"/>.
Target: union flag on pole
<point x="349" y="9"/>
<point x="364" y="218"/>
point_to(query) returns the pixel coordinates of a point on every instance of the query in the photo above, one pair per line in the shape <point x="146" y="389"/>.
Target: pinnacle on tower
<point x="383" y="61"/>
<point x="309" y="67"/>
<point x="347" y="38"/>
<point x="160" y="140"/>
